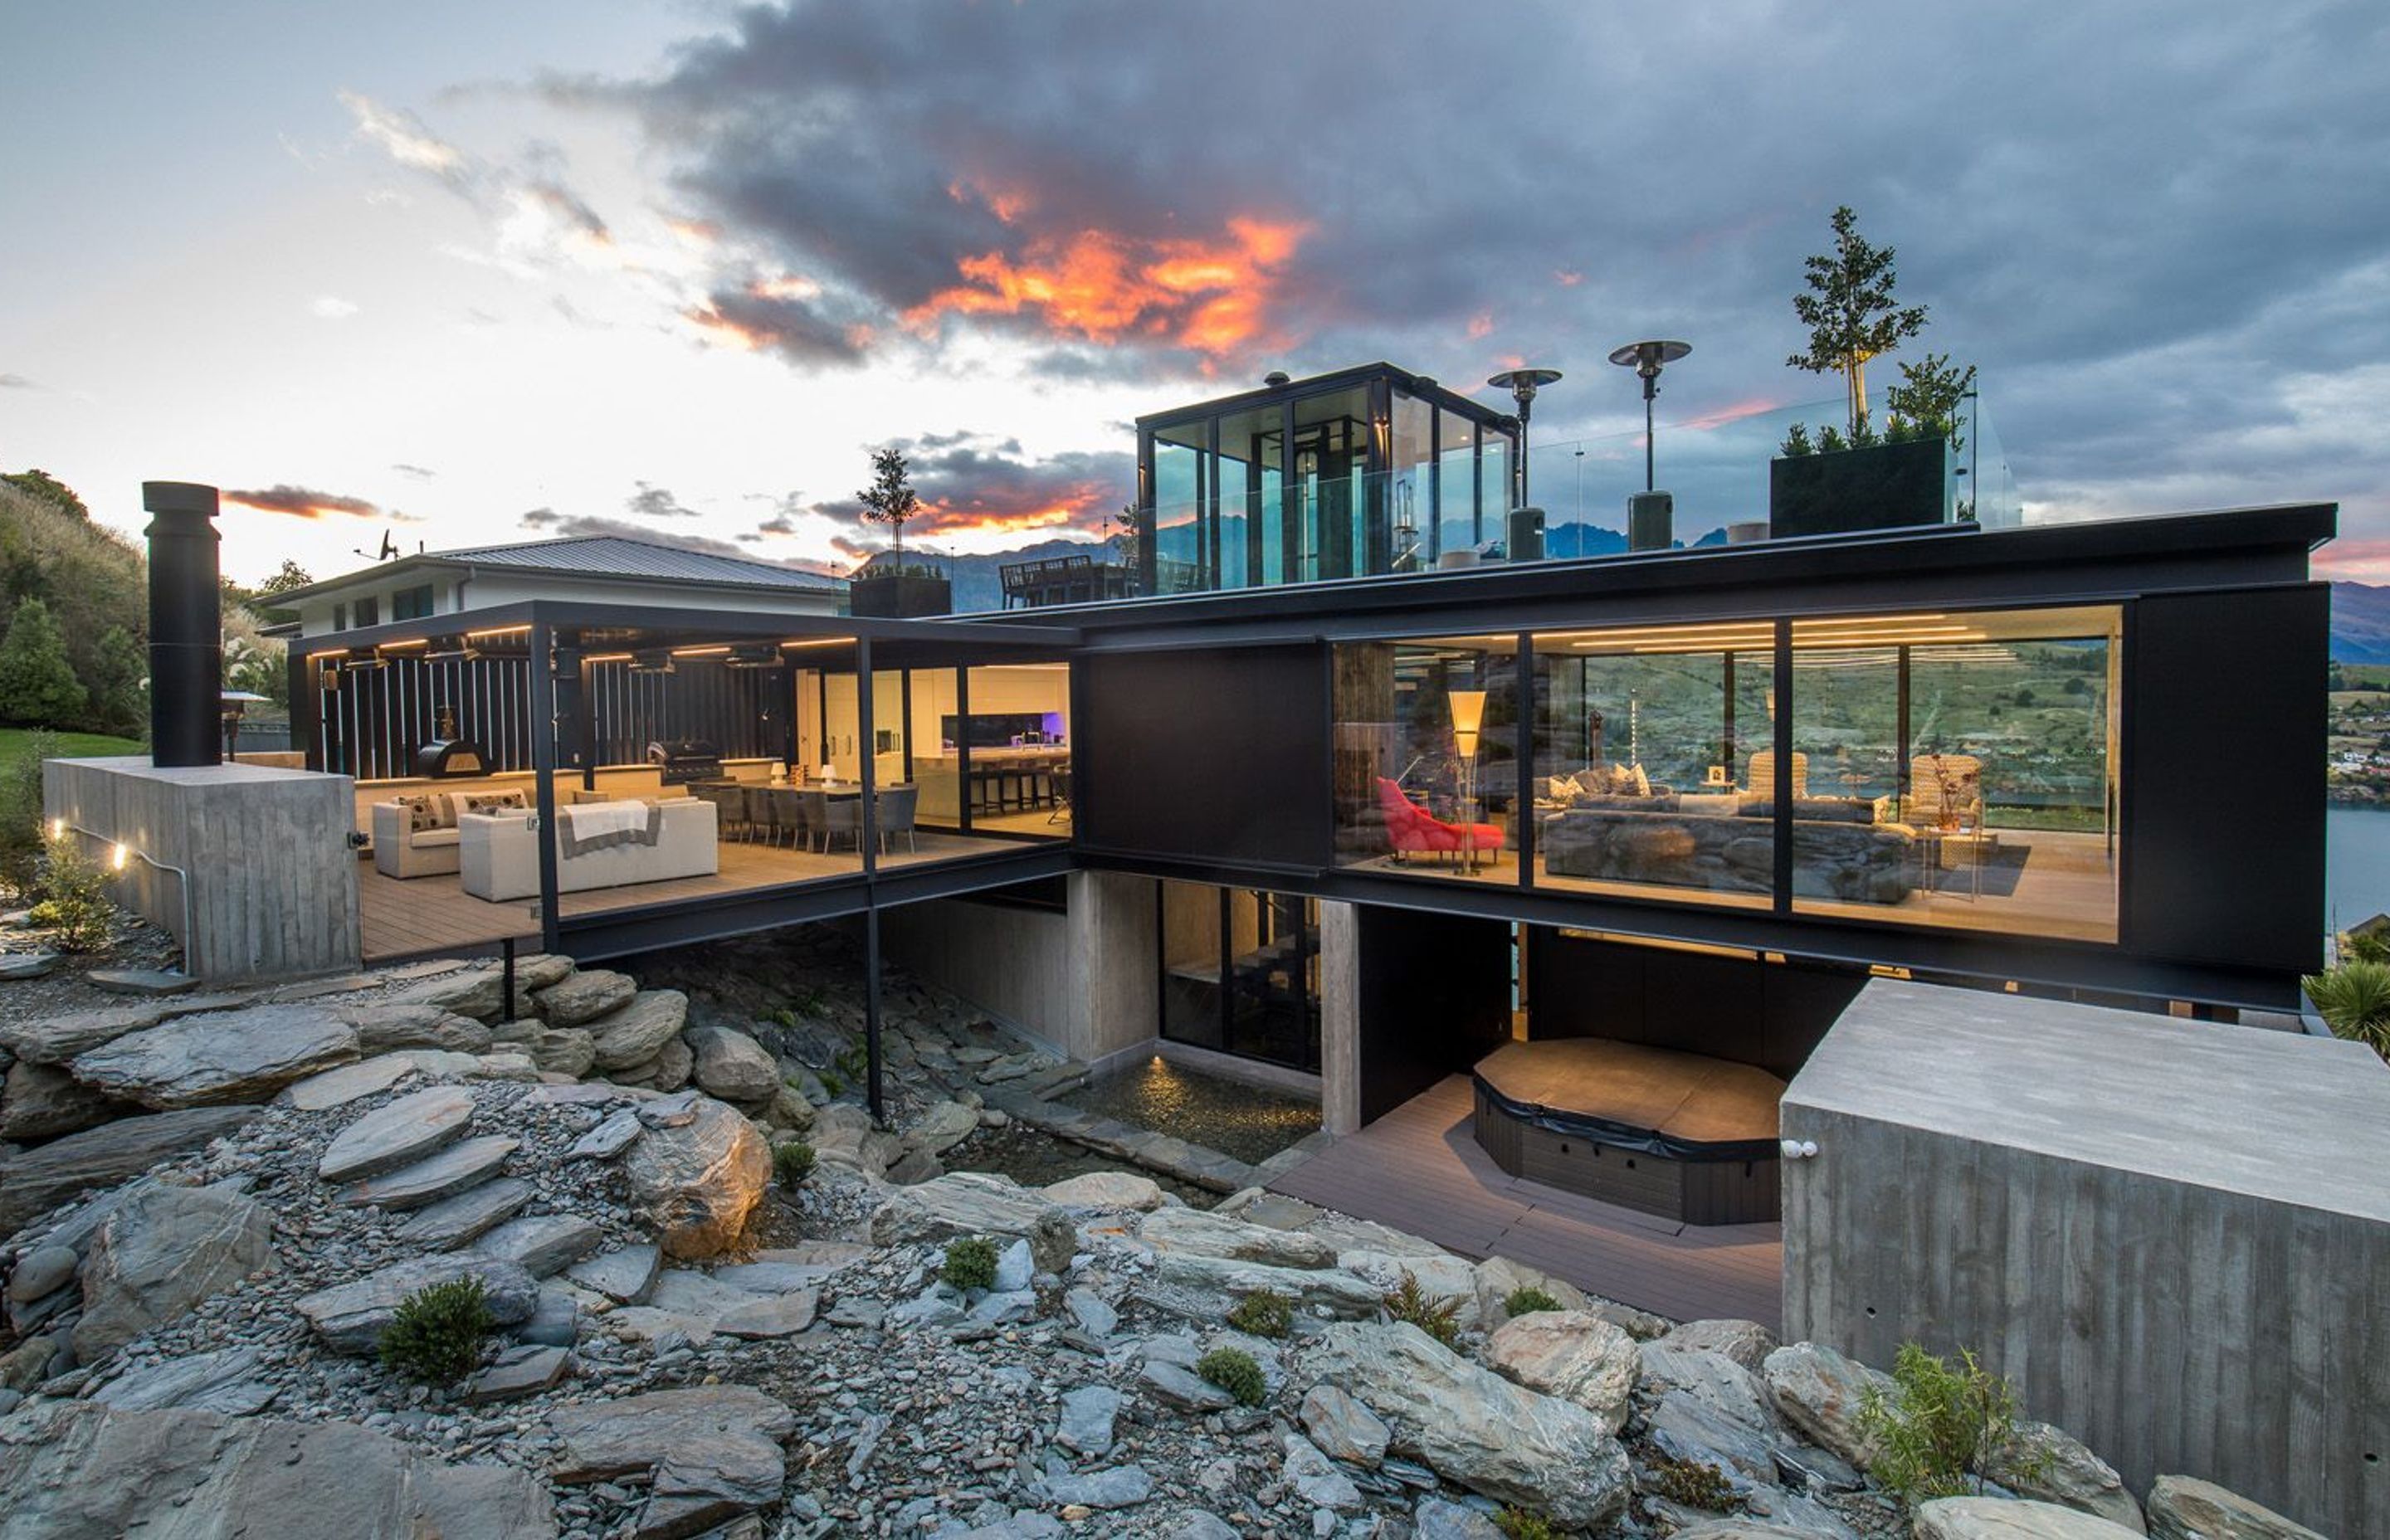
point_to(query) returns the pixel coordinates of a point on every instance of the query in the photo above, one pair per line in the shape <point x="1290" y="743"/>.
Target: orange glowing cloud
<point x="1567" y="277"/>
<point x="1735" y="413"/>
<point x="1481" y="324"/>
<point x="1214" y="297"/>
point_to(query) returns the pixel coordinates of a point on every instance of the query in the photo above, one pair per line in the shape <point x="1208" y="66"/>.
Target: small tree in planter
<point x="1850" y="312"/>
<point x="889" y="499"/>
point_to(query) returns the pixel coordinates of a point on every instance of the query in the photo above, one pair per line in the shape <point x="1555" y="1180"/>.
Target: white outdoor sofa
<point x="402" y="851"/>
<point x="500" y="854"/>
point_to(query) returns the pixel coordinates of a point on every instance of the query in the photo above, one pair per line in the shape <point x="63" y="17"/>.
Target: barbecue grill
<point x="451" y="756"/>
<point x="686" y="760"/>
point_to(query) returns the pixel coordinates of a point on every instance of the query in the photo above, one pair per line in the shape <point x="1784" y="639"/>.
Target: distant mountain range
<point x="978" y="583"/>
<point x="2360" y="624"/>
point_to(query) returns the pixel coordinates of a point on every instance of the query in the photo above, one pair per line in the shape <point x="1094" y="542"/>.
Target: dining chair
<point x="761" y="816"/>
<point x="842" y="816"/>
<point x="893" y="810"/>
<point x="815" y="806"/>
<point x="1062" y="813"/>
<point x="789" y="813"/>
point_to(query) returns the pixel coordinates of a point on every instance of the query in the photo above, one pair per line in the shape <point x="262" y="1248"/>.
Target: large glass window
<point x="1411" y="485"/>
<point x="1426" y="745"/>
<point x="1653" y="769"/>
<point x="1018" y="737"/>
<point x="1241" y="972"/>
<point x="1455" y="522"/>
<point x="1958" y="769"/>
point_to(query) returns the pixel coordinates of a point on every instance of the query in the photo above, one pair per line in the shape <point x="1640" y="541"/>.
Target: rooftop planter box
<point x="1881" y="486"/>
<point x="901" y="591"/>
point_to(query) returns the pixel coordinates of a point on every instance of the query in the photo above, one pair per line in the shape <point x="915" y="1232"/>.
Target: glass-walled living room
<point x="1950" y="769"/>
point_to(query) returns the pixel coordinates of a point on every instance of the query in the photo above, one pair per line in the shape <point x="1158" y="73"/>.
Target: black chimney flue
<point x="186" y="625"/>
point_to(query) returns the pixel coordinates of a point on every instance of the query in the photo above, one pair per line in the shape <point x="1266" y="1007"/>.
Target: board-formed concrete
<point x="247" y="865"/>
<point x="2173" y="1236"/>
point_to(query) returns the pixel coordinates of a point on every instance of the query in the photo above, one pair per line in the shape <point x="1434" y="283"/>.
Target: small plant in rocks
<point x="1263" y="1313"/>
<point x="1439" y="1318"/>
<point x="437" y="1335"/>
<point x="1517" y="1523"/>
<point x="1233" y="1370"/>
<point x="1694" y="1483"/>
<point x="791" y="1163"/>
<point x="1526" y="1301"/>
<point x="971" y="1263"/>
<point x="1943" y="1430"/>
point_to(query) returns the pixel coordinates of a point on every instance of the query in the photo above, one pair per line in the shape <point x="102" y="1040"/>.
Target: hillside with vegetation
<point x="74" y="614"/>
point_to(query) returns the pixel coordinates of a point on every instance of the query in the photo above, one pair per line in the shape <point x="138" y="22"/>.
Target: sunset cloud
<point x="299" y="502"/>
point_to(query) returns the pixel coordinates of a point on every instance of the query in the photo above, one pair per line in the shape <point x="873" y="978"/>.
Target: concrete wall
<point x="1340" y="1017"/>
<point x="1085" y="981"/>
<point x="2174" y="1237"/>
<point x="272" y="882"/>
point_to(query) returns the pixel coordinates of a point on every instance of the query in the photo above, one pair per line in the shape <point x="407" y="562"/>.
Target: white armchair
<point x="401" y="850"/>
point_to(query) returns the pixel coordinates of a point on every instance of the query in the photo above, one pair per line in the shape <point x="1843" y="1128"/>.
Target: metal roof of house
<point x="606" y="556"/>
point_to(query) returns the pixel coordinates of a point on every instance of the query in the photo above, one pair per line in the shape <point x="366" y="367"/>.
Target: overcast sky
<point x="466" y="273"/>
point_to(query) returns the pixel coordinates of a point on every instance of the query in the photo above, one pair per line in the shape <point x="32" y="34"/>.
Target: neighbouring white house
<point x="591" y="569"/>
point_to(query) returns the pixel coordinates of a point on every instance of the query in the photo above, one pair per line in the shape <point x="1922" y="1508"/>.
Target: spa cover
<point x="1682" y="1105"/>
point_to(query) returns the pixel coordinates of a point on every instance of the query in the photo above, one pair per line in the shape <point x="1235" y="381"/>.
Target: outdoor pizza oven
<point x="451" y="756"/>
<point x="686" y="760"/>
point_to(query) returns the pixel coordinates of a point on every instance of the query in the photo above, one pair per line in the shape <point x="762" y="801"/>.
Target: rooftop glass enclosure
<point x="1367" y="471"/>
<point x="566" y="766"/>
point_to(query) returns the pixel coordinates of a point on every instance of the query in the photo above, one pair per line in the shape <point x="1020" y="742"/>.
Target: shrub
<point x="21" y="816"/>
<point x="1517" y="1523"/>
<point x="1439" y="1319"/>
<point x="37" y="684"/>
<point x="1233" y="1370"/>
<point x="793" y="1163"/>
<point x="1694" y="1483"/>
<point x="437" y="1337"/>
<point x="1263" y="1313"/>
<point x="74" y="906"/>
<point x="1942" y="1429"/>
<point x="969" y="1264"/>
<point x="2371" y="946"/>
<point x="2355" y="1001"/>
<point x="1527" y="1301"/>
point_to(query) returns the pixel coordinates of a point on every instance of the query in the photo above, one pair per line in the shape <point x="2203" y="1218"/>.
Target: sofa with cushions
<point x="1726" y="843"/>
<point x="499" y="853"/>
<point x="416" y="834"/>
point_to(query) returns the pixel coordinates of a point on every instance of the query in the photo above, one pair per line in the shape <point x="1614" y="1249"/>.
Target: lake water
<point x="2356" y="864"/>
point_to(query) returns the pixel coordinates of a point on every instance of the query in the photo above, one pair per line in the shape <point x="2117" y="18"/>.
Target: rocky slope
<point x="194" y="1293"/>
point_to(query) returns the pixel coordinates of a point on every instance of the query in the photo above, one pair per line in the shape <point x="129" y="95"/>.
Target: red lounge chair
<point x="1411" y="829"/>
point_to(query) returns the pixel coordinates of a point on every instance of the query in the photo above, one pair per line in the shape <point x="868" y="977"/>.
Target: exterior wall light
<point x="119" y="856"/>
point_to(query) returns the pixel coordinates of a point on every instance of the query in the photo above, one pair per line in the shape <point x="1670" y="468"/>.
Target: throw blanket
<point x="601" y="826"/>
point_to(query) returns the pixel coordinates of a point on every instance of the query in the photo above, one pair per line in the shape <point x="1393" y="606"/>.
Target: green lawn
<point x="16" y="742"/>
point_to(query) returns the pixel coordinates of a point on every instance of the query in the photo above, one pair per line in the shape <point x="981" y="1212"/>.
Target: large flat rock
<point x="451" y="1171"/>
<point x="960" y="1203"/>
<point x="543" y="1243"/>
<point x="468" y="1215"/>
<point x="636" y="1026"/>
<point x="161" y="1252"/>
<point x="399" y="1133"/>
<point x="38" y="1180"/>
<point x="42" y="1101"/>
<point x="579" y="999"/>
<point x="329" y="1089"/>
<point x="223" y="1056"/>
<point x="79" y="1468"/>
<point x="350" y="1317"/>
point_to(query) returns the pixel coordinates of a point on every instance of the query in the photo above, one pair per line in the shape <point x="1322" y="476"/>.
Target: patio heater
<point x="1526" y="532"/>
<point x="1467" y="717"/>
<point x="1650" y="515"/>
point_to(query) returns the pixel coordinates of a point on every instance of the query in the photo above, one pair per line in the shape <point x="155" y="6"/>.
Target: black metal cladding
<point x="186" y="625"/>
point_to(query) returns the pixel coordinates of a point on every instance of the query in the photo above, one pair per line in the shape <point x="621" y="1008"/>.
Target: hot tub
<point x="1667" y="1133"/>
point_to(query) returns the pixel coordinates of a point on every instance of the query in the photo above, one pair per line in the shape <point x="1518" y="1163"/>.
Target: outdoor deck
<point x="1418" y="1169"/>
<point x="425" y="915"/>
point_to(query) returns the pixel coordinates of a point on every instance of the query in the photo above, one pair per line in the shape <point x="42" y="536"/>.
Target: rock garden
<point x="402" y="1255"/>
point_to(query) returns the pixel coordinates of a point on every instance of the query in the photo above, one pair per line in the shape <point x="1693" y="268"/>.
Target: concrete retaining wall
<point x="2174" y="1237"/>
<point x="272" y="882"/>
<point x="1085" y="981"/>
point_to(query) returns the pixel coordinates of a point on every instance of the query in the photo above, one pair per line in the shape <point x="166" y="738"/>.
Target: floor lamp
<point x="1467" y="717"/>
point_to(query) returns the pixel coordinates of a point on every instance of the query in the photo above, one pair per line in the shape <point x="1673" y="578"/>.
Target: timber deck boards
<point x="1419" y="1169"/>
<point x="423" y="914"/>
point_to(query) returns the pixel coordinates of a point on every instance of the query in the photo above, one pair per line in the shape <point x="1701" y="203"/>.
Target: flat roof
<point x="2289" y="1118"/>
<point x="615" y="558"/>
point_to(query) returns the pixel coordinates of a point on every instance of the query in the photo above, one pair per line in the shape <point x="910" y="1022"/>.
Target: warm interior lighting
<point x="403" y="646"/>
<point x="1467" y="717"/>
<point x="700" y="651"/>
<point x="821" y="641"/>
<point x="607" y="658"/>
<point x="655" y="660"/>
<point x="501" y="631"/>
<point x="1660" y="943"/>
<point x="1884" y="971"/>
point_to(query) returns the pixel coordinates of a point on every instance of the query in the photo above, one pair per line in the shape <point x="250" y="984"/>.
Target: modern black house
<point x="1336" y="798"/>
